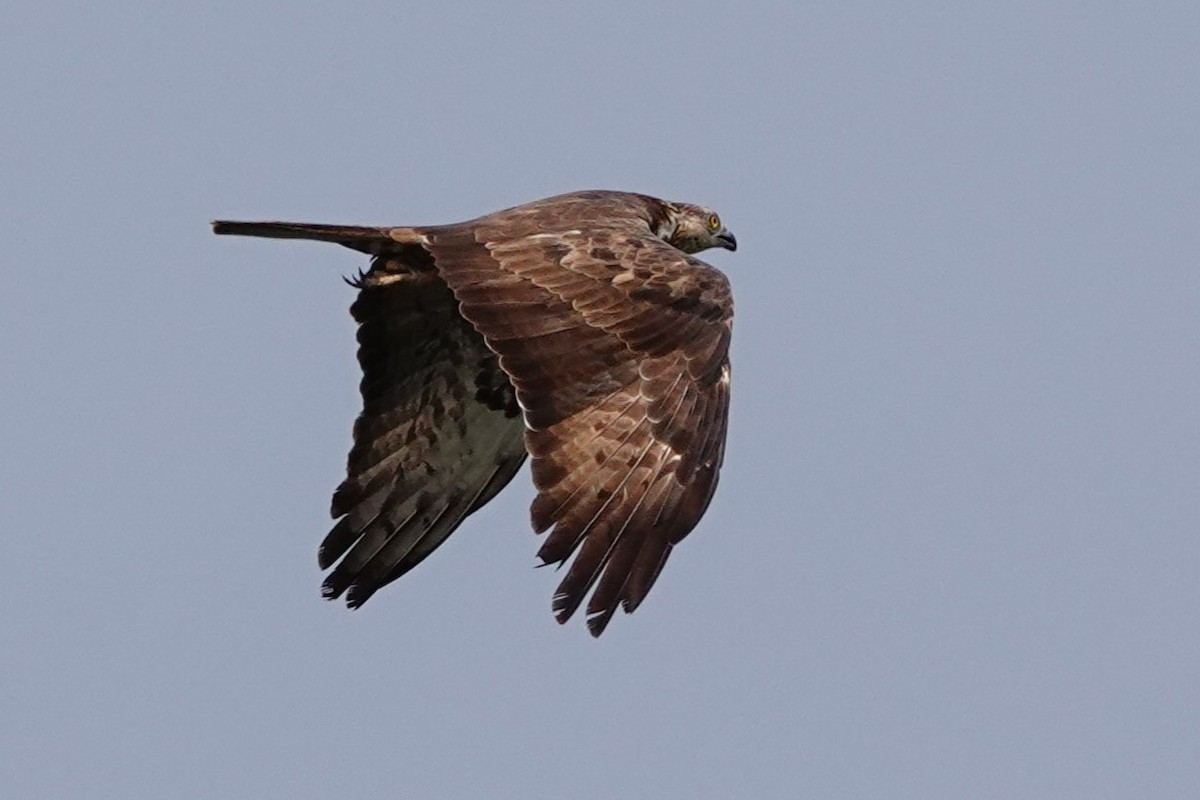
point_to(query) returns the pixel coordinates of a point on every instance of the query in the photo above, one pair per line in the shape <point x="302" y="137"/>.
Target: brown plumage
<point x="577" y="329"/>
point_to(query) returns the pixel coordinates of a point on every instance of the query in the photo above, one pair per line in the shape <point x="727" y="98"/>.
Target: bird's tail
<point x="374" y="241"/>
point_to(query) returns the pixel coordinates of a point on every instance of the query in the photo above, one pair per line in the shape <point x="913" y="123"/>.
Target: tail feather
<point x="373" y="241"/>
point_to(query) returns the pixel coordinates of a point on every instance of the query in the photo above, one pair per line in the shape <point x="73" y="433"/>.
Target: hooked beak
<point x="727" y="240"/>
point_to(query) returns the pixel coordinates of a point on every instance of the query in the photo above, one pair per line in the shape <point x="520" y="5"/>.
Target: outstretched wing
<point x="617" y="344"/>
<point x="440" y="432"/>
<point x="439" y="435"/>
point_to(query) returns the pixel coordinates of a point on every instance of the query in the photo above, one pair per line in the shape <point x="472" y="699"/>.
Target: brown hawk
<point x="577" y="329"/>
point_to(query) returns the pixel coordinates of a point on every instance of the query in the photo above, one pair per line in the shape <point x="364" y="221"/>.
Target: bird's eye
<point x="714" y="222"/>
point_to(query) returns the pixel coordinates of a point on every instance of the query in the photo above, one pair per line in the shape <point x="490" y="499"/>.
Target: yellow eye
<point x="714" y="222"/>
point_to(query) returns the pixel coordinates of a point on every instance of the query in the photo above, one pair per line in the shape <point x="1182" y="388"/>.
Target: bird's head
<point x="698" y="228"/>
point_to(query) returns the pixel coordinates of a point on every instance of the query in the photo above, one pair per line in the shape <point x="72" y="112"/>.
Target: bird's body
<point x="577" y="329"/>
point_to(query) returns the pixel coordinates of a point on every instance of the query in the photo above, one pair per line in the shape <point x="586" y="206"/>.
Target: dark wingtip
<point x="359" y="593"/>
<point x="336" y="543"/>
<point x="598" y="622"/>
<point x="325" y="559"/>
<point x="564" y="606"/>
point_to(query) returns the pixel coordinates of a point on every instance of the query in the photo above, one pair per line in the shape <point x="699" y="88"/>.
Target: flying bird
<point x="578" y="330"/>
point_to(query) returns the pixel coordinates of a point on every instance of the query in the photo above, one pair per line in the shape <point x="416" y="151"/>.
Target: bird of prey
<point x="578" y="330"/>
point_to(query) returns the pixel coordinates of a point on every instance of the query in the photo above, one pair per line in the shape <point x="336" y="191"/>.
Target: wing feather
<point x="617" y="345"/>
<point x="435" y="441"/>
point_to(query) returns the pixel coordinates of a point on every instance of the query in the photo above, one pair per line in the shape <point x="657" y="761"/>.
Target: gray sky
<point x="954" y="552"/>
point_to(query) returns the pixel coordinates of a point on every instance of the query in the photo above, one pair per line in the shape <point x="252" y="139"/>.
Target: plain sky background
<point x="955" y="549"/>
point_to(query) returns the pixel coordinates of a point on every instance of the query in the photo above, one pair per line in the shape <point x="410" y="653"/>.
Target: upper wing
<point x="618" y="345"/>
<point x="439" y="435"/>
